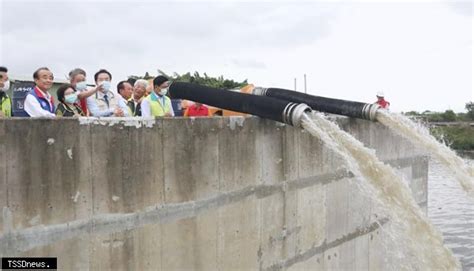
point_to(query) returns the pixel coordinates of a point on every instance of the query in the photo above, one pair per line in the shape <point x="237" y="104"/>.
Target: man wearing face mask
<point x="5" y="101"/>
<point x="39" y="103"/>
<point x="157" y="104"/>
<point x="77" y="78"/>
<point x="106" y="103"/>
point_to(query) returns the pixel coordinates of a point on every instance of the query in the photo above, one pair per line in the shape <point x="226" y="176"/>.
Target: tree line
<point x="446" y="116"/>
<point x="197" y="78"/>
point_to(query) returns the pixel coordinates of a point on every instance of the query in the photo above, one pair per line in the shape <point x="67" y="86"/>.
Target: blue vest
<point x="43" y="102"/>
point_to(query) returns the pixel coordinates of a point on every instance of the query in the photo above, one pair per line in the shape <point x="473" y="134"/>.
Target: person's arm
<point x="186" y="112"/>
<point x="95" y="111"/>
<point x="33" y="108"/>
<point x="145" y="107"/>
<point x="122" y="103"/>
<point x="88" y="92"/>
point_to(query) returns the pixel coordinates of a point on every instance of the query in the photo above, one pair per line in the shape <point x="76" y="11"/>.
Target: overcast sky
<point x="420" y="54"/>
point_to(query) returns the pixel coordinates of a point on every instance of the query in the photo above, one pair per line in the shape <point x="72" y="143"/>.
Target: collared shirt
<point x="33" y="107"/>
<point x="135" y="107"/>
<point x="95" y="110"/>
<point x="145" y="105"/>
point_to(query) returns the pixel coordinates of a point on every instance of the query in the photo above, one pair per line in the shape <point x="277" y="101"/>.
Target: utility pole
<point x="305" y="83"/>
<point x="295" y="84"/>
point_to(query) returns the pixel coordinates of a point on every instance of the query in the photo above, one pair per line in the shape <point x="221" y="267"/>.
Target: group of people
<point x="131" y="98"/>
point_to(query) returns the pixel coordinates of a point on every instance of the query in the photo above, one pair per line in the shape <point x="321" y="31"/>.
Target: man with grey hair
<point x="39" y="103"/>
<point x="139" y="90"/>
<point x="77" y="78"/>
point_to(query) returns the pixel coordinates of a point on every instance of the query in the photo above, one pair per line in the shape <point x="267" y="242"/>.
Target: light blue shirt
<point x="96" y="112"/>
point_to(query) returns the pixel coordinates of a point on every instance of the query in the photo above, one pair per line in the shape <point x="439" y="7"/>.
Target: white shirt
<point x="145" y="107"/>
<point x="33" y="107"/>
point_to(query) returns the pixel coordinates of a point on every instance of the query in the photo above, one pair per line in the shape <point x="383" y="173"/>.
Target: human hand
<point x="118" y="112"/>
<point x="99" y="88"/>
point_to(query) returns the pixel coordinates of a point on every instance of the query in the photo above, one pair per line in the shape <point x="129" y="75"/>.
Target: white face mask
<point x="164" y="91"/>
<point x="106" y="85"/>
<point x="6" y="86"/>
<point x="81" y="86"/>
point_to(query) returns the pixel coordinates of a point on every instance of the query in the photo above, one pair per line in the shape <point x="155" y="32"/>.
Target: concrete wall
<point x="178" y="194"/>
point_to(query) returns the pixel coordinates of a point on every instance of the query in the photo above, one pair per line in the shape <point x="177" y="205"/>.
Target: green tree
<point x="412" y="113"/>
<point x="196" y="78"/>
<point x="449" y="115"/>
<point x="470" y="110"/>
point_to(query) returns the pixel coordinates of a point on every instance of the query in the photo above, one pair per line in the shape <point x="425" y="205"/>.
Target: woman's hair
<point x="63" y="89"/>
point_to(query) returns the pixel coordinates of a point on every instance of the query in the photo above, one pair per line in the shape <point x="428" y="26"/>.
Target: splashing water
<point x="420" y="135"/>
<point x="410" y="228"/>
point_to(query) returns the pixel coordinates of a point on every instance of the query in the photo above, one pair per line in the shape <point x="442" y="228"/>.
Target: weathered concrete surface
<point x="180" y="194"/>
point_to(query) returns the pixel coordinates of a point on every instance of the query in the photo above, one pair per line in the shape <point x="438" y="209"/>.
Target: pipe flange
<point x="293" y="113"/>
<point x="370" y="111"/>
<point x="260" y="91"/>
<point x="298" y="112"/>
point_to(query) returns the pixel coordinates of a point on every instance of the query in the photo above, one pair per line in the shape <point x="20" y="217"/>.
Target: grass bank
<point x="458" y="137"/>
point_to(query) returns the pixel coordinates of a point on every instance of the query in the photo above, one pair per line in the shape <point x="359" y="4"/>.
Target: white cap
<point x="380" y="94"/>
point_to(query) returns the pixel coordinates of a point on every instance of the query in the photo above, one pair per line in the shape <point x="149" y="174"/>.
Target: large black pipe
<point x="265" y="107"/>
<point x="323" y="104"/>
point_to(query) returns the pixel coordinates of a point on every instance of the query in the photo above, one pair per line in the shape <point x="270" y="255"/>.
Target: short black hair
<point x="121" y="85"/>
<point x="132" y="81"/>
<point x="36" y="73"/>
<point x="61" y="90"/>
<point x="160" y="79"/>
<point x="96" y="75"/>
<point x="3" y="69"/>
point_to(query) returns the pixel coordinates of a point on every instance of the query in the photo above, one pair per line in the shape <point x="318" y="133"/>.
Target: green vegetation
<point x="446" y="116"/>
<point x="459" y="136"/>
<point x="215" y="82"/>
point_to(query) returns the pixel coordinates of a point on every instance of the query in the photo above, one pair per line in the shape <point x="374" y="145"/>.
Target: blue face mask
<point x="71" y="98"/>
<point x="81" y="86"/>
<point x="106" y="85"/>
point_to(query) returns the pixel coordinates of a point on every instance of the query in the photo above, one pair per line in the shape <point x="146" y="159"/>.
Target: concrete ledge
<point x="174" y="194"/>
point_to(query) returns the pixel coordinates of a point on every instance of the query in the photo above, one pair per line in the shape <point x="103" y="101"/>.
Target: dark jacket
<point x="64" y="110"/>
<point x="136" y="112"/>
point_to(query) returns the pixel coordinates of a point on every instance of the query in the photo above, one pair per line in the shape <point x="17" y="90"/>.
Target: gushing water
<point x="420" y="135"/>
<point x="410" y="229"/>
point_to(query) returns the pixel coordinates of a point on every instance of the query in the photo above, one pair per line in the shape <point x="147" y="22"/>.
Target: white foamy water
<point x="420" y="136"/>
<point x="415" y="243"/>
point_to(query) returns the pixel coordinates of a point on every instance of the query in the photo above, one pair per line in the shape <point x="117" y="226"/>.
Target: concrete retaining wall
<point x="207" y="194"/>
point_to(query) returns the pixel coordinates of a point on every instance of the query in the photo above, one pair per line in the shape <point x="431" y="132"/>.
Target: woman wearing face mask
<point x="157" y="104"/>
<point x="68" y="102"/>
